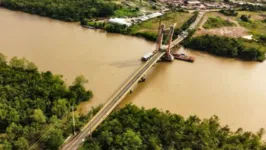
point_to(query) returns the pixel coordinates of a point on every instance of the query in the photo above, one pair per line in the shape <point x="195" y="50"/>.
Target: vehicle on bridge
<point x="184" y="34"/>
<point x="147" y="56"/>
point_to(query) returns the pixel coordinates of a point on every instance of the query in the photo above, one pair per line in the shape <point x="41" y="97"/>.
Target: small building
<point x="121" y="21"/>
<point x="193" y="3"/>
<point x="212" y="5"/>
<point x="154" y="15"/>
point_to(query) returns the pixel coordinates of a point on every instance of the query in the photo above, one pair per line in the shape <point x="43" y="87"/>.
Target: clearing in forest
<point x="217" y="22"/>
<point x="151" y="26"/>
<point x="220" y="26"/>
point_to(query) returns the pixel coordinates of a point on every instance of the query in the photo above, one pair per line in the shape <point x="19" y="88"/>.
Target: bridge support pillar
<point x="143" y="79"/>
<point x="167" y="57"/>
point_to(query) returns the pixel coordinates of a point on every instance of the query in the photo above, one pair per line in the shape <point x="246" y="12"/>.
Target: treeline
<point x="224" y="46"/>
<point x="133" y="128"/>
<point x="229" y="12"/>
<point x="187" y="24"/>
<point x="249" y="7"/>
<point x="67" y="10"/>
<point x="123" y="29"/>
<point x="33" y="102"/>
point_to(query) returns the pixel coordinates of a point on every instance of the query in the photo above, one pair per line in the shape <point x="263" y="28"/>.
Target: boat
<point x="184" y="57"/>
<point x="147" y="56"/>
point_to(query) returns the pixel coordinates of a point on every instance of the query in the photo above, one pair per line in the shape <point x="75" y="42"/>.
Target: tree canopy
<point x="31" y="101"/>
<point x="68" y="10"/>
<point x="136" y="128"/>
<point x="224" y="46"/>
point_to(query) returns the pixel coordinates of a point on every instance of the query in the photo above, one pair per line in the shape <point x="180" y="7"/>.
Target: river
<point x="231" y="89"/>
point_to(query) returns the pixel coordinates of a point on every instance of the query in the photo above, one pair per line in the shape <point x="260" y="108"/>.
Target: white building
<point x="121" y="21"/>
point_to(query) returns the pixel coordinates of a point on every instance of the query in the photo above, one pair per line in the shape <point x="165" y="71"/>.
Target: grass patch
<point x="217" y="22"/>
<point x="256" y="26"/>
<point x="253" y="44"/>
<point x="127" y="12"/>
<point x="149" y="29"/>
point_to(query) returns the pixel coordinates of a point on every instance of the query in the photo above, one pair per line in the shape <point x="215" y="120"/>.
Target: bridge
<point x="74" y="142"/>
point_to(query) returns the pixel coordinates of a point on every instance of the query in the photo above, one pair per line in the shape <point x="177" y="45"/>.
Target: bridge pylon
<point x="168" y="56"/>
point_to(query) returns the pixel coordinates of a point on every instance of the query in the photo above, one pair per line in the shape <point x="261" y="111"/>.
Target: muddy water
<point x="231" y="89"/>
<point x="106" y="60"/>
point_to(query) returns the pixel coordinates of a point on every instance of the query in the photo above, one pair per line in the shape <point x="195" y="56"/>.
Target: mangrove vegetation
<point x="67" y="10"/>
<point x="227" y="47"/>
<point x="33" y="103"/>
<point x="133" y="128"/>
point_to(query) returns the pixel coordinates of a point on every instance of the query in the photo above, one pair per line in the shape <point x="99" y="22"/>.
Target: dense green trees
<point x="54" y="139"/>
<point x="38" y="116"/>
<point x="187" y="24"/>
<point x="250" y="7"/>
<point x="224" y="46"/>
<point x="116" y="28"/>
<point x="244" y="18"/>
<point x="31" y="101"/>
<point x="229" y="12"/>
<point x="135" y="128"/>
<point x="68" y="10"/>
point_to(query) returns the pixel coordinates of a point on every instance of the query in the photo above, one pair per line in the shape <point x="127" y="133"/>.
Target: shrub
<point x="229" y="12"/>
<point x="244" y="18"/>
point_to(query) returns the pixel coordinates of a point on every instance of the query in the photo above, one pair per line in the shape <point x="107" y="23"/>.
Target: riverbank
<point x="226" y="47"/>
<point x="229" y="87"/>
<point x="148" y="29"/>
<point x="217" y="37"/>
<point x="62" y="10"/>
<point x="136" y="128"/>
<point x="34" y="104"/>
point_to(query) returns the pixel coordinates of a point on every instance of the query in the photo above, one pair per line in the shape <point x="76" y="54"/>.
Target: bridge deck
<point x="111" y="104"/>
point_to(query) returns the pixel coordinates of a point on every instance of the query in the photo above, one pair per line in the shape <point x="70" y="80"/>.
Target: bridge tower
<point x="168" y="56"/>
<point x="159" y="41"/>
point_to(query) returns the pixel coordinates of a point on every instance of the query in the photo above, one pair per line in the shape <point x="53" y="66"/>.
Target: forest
<point x="249" y="7"/>
<point x="67" y="10"/>
<point x="133" y="128"/>
<point x="224" y="46"/>
<point x="31" y="102"/>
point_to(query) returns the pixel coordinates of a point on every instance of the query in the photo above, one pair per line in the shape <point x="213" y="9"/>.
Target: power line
<point x="48" y="131"/>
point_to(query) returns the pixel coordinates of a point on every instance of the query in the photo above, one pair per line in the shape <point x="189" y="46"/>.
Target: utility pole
<point x="73" y="118"/>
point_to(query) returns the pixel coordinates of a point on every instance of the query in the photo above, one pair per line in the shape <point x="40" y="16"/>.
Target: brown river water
<point x="231" y="89"/>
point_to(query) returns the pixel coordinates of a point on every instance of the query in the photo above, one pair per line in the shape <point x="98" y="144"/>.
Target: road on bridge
<point x="77" y="140"/>
<point x="74" y="142"/>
